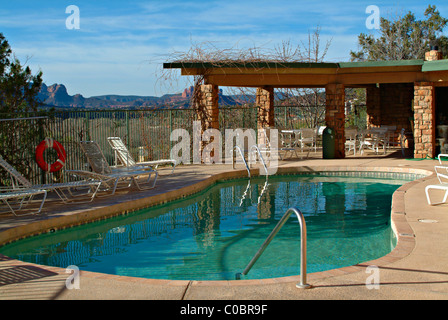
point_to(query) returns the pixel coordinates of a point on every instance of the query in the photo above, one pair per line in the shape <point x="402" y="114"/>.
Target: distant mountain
<point x="57" y="96"/>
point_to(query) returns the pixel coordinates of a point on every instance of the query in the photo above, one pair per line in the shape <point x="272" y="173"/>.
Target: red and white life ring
<point x="62" y="156"/>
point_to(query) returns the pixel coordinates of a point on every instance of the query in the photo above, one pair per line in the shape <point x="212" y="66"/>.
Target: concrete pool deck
<point x="416" y="269"/>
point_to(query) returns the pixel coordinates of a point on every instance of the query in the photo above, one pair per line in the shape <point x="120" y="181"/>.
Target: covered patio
<point x="407" y="94"/>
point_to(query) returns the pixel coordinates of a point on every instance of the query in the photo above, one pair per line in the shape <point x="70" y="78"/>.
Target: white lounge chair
<point x="123" y="155"/>
<point x="442" y="176"/>
<point x="22" y="196"/>
<point x="102" y="170"/>
<point x="63" y="190"/>
<point x="442" y="157"/>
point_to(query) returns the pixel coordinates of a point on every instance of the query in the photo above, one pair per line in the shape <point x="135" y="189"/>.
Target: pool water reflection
<point x="213" y="234"/>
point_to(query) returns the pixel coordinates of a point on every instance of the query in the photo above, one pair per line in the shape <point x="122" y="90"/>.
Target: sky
<point x="119" y="47"/>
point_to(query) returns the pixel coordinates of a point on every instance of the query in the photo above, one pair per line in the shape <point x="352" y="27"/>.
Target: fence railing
<point x="146" y="133"/>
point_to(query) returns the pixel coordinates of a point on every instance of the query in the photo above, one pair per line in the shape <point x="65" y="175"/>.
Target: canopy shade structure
<point x="294" y="74"/>
<point x="411" y="95"/>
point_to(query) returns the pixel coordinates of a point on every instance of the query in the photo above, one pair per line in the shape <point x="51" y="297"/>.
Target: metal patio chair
<point x="123" y="156"/>
<point x="63" y="189"/>
<point x="307" y="137"/>
<point x="101" y="169"/>
<point x="267" y="147"/>
<point x="351" y="140"/>
<point x="442" y="176"/>
<point x="23" y="197"/>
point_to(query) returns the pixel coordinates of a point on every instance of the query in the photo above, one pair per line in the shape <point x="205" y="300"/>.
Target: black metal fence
<point x="146" y="133"/>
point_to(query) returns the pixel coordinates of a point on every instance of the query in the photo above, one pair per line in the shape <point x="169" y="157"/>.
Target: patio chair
<point x="101" y="169"/>
<point x="63" y="189"/>
<point x="23" y="196"/>
<point x="392" y="140"/>
<point x="442" y="176"/>
<point x="442" y="156"/>
<point x="373" y="139"/>
<point x="350" y="140"/>
<point x="123" y="155"/>
<point x="267" y="147"/>
<point x="308" y="136"/>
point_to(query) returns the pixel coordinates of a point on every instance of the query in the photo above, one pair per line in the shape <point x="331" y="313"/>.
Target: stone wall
<point x="391" y="105"/>
<point x="396" y="105"/>
<point x="373" y="103"/>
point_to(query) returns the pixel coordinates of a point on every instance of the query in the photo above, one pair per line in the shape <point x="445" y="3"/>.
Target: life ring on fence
<point x="44" y="145"/>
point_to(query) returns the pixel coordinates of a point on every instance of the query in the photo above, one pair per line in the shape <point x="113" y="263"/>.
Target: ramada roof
<point x="303" y="74"/>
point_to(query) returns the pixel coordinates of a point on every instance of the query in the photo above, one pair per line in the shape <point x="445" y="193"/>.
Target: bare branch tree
<point x="310" y="100"/>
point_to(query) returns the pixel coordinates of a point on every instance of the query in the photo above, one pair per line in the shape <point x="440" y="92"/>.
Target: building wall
<point x="390" y="104"/>
<point x="396" y="105"/>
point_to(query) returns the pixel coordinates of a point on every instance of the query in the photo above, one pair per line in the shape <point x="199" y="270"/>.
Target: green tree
<point x="404" y="38"/>
<point x="19" y="90"/>
<point x="18" y="87"/>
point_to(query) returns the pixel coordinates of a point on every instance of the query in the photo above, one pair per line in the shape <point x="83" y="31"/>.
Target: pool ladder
<point x="236" y="148"/>
<point x="252" y="149"/>
<point x="302" y="284"/>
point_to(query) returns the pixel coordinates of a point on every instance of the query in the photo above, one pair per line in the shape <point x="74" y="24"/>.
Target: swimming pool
<point x="213" y="234"/>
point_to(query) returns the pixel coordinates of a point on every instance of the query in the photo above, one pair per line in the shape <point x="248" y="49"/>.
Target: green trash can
<point x="328" y="143"/>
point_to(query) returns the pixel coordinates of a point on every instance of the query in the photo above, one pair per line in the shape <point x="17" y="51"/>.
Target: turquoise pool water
<point x="213" y="234"/>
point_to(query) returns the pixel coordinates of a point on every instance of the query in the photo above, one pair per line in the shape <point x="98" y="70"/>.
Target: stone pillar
<point x="265" y="107"/>
<point x="207" y="108"/>
<point x="265" y="110"/>
<point x="373" y="103"/>
<point x="433" y="55"/>
<point x="424" y="120"/>
<point x="207" y="113"/>
<point x="335" y="115"/>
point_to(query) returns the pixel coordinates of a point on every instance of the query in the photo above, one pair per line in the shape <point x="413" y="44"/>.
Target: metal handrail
<point x="242" y="156"/>
<point x="255" y="147"/>
<point x="302" y="284"/>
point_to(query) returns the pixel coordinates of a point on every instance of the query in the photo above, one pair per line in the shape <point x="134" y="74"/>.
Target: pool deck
<point x="417" y="269"/>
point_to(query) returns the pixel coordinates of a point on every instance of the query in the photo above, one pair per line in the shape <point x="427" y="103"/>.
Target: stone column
<point x="207" y="108"/>
<point x="265" y="109"/>
<point x="424" y="120"/>
<point x="335" y="115"/>
<point x="208" y="115"/>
